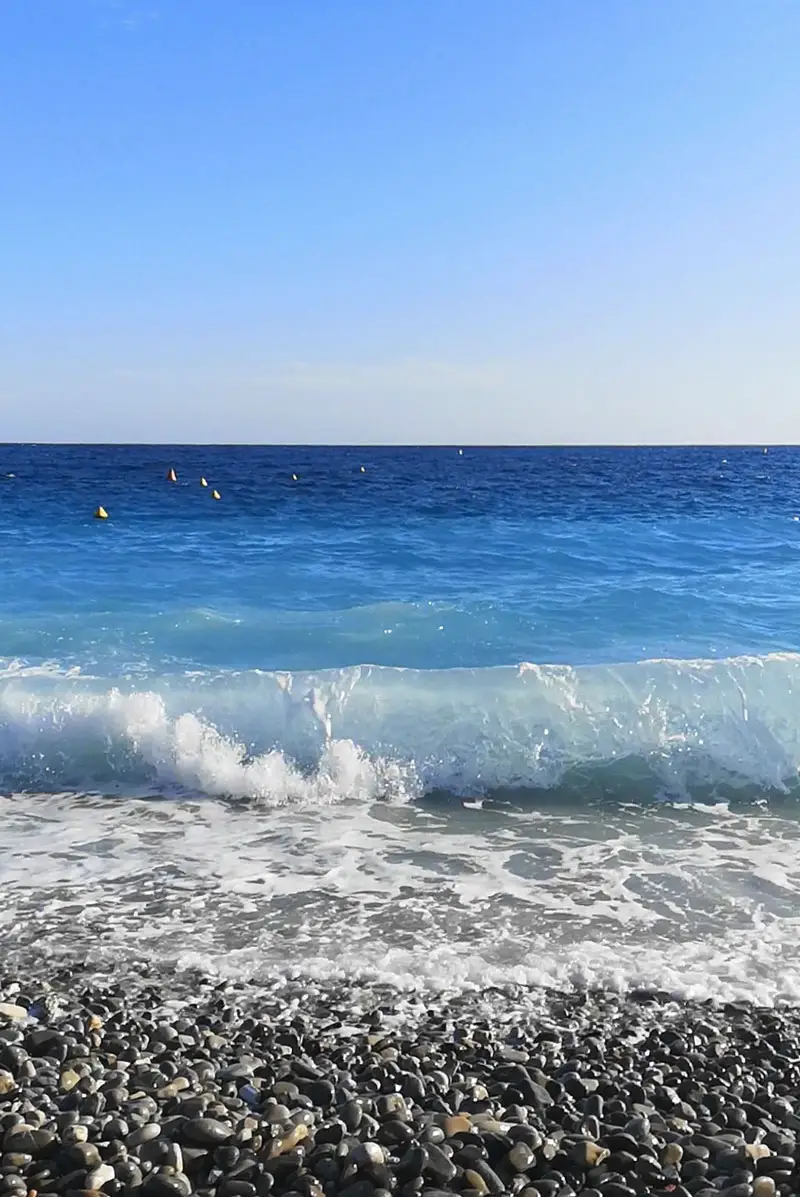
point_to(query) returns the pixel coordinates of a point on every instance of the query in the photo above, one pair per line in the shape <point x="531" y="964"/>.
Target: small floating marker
<point x="363" y="470"/>
<point x="101" y="514"/>
<point x="461" y="453"/>
<point x="171" y="476"/>
<point x="766" y="450"/>
<point x="294" y="477"/>
<point x="203" y="482"/>
<point x="215" y="494"/>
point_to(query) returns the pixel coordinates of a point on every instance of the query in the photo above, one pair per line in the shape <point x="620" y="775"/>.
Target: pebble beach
<point x="166" y="1085"/>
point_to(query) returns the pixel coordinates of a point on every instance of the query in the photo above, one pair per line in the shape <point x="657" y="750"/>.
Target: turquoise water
<point x="428" y="715"/>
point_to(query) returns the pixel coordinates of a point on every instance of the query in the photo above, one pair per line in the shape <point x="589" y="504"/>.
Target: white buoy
<point x="461" y="453"/>
<point x="363" y="470"/>
<point x="203" y="482"/>
<point x="215" y="494"/>
<point x="171" y="476"/>
<point x="294" y="477"/>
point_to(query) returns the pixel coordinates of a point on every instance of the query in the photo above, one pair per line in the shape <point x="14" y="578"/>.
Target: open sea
<point x="439" y="717"/>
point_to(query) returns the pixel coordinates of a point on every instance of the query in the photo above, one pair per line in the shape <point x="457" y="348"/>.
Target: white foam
<point x="650" y="727"/>
<point x="702" y="903"/>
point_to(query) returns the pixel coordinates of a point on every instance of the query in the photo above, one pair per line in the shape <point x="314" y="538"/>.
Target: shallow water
<point x="502" y="715"/>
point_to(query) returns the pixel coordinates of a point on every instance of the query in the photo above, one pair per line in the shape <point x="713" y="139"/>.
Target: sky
<point x="425" y="221"/>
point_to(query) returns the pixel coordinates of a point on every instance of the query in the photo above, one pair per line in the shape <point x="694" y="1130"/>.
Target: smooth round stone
<point x="207" y="1132"/>
<point x="489" y="1177"/>
<point x="476" y="1183"/>
<point x="99" y="1176"/>
<point x="433" y="1134"/>
<point x="521" y="1157"/>
<point x="173" y="1156"/>
<point x="392" y="1106"/>
<point x="13" y="1184"/>
<point x="775" y="1163"/>
<point x="78" y="1133"/>
<point x="351" y="1115"/>
<point x="439" y="1165"/>
<point x="275" y="1113"/>
<point x="128" y="1173"/>
<point x="16" y="1159"/>
<point x="412" y="1163"/>
<point x="29" y="1141"/>
<point x="368" y="1155"/>
<point x="457" y="1124"/>
<point x="167" y="1184"/>
<point x="393" y="1131"/>
<point x="150" y="1130"/>
<point x="84" y="1155"/>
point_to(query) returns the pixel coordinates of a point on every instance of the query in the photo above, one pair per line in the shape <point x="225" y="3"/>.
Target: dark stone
<point x="438" y="1165"/>
<point x="206" y="1132"/>
<point x="167" y="1184"/>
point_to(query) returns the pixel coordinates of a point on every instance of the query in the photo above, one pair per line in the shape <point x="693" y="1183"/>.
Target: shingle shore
<point x="163" y="1086"/>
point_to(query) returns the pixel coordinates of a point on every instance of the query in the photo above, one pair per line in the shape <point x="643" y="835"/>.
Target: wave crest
<point x="664" y="728"/>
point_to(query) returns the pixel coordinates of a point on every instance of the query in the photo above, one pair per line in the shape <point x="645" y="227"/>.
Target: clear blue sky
<point x="400" y="220"/>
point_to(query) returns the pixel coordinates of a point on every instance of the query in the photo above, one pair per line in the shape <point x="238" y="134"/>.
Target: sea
<point x="436" y="718"/>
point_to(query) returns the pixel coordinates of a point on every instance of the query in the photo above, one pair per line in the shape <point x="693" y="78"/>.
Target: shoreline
<point x="167" y="1085"/>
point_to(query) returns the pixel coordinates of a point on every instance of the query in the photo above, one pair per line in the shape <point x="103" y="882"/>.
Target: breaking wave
<point x="672" y="729"/>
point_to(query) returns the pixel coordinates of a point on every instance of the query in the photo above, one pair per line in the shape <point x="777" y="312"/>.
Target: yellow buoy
<point x="215" y="494"/>
<point x="101" y="514"/>
<point x="203" y="482"/>
<point x="171" y="476"/>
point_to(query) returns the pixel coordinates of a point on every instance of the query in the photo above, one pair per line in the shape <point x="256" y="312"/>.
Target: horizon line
<point x="44" y="444"/>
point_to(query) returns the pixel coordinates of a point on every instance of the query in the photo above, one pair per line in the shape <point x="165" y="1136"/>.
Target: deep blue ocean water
<point x="507" y="712"/>
<point x="428" y="559"/>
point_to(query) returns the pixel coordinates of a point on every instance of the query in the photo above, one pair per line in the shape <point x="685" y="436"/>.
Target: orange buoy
<point x="171" y="476"/>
